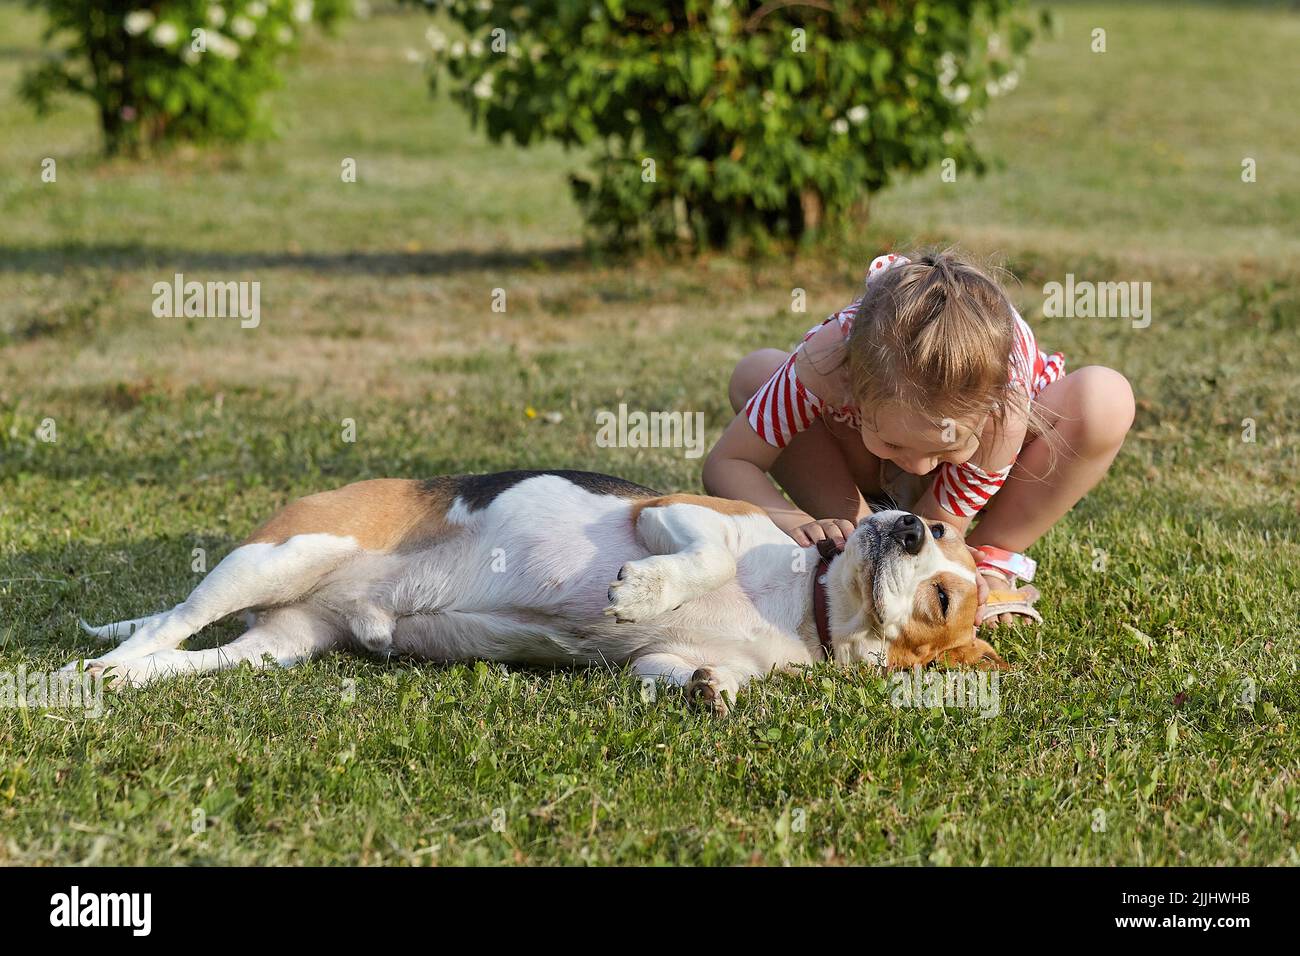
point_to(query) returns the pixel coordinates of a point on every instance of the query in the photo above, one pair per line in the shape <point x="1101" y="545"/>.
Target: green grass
<point x="1166" y="591"/>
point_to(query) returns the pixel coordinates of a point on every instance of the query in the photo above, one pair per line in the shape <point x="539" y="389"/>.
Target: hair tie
<point x="882" y="264"/>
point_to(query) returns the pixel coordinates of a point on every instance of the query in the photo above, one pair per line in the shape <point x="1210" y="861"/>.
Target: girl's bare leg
<point x="1090" y="411"/>
<point x="824" y="469"/>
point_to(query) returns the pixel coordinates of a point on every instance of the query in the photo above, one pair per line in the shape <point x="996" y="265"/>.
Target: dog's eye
<point x="943" y="598"/>
<point x="937" y="531"/>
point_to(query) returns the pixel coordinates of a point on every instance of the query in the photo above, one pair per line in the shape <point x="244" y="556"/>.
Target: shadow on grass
<point x="56" y="259"/>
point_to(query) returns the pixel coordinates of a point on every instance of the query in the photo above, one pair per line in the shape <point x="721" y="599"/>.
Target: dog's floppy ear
<point x="975" y="652"/>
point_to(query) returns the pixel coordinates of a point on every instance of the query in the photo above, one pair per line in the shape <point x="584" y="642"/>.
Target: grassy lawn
<point x="1154" y="718"/>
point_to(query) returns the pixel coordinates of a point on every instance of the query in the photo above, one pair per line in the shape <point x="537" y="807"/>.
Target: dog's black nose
<point x="909" y="532"/>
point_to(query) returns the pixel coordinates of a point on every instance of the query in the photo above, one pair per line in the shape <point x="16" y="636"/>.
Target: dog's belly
<point x="527" y="579"/>
<point x="524" y="579"/>
<point x="579" y="632"/>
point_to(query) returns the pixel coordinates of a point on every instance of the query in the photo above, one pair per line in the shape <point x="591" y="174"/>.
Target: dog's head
<point x="904" y="593"/>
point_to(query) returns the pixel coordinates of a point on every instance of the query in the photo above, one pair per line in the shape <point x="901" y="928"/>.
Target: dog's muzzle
<point x="908" y="532"/>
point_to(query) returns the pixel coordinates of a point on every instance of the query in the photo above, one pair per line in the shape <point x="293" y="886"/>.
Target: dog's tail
<point x="118" y="631"/>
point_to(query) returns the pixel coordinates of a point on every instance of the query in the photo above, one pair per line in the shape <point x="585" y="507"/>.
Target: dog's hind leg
<point x="711" y="686"/>
<point x="282" y="638"/>
<point x="259" y="575"/>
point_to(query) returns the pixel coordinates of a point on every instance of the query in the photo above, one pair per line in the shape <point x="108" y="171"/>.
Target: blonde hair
<point x="936" y="336"/>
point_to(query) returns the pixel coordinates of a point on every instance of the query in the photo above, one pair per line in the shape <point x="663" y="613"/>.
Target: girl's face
<point x="917" y="443"/>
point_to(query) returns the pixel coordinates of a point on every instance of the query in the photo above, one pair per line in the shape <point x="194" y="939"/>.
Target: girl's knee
<point x="1105" y="409"/>
<point x="750" y="374"/>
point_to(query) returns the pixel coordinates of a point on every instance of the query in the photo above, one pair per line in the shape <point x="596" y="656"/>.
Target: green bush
<point x="718" y="119"/>
<point x="166" y="70"/>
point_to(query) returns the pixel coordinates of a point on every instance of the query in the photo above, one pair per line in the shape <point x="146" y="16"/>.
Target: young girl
<point x="931" y="373"/>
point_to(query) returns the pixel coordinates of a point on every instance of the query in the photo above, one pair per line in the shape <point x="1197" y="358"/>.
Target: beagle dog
<point x="567" y="567"/>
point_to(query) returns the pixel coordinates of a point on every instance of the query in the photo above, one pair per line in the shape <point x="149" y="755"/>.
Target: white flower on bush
<point x="1005" y="85"/>
<point x="858" y="114"/>
<point x="137" y="21"/>
<point x="947" y="69"/>
<point x="457" y="50"/>
<point x="189" y="57"/>
<point x="840" y="126"/>
<point x="483" y="88"/>
<point x="961" y="94"/>
<point x="216" y="15"/>
<point x="284" y="34"/>
<point x="221" y="45"/>
<point x="475" y="47"/>
<point x="256" y="9"/>
<point x="243" y="27"/>
<point x="437" y="40"/>
<point x="165" y="34"/>
<point x="302" y="10"/>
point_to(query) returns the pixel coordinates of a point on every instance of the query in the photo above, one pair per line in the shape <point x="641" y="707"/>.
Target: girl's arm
<point x="737" y="468"/>
<point x="739" y="463"/>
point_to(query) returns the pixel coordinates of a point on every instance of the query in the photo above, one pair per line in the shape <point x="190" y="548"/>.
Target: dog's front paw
<point x="705" y="689"/>
<point x="641" y="592"/>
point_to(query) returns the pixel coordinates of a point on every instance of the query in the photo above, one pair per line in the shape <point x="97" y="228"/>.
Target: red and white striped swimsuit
<point x="784" y="406"/>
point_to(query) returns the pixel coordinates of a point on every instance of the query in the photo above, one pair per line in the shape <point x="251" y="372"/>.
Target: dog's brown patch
<point x="382" y="514"/>
<point x="953" y="545"/>
<point x="726" y="506"/>
<point x="930" y="635"/>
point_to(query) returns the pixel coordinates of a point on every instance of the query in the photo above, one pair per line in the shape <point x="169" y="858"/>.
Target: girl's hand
<point x="991" y="580"/>
<point x="833" y="529"/>
<point x="985" y="583"/>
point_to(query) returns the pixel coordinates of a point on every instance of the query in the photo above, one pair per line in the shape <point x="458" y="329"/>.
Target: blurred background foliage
<point x="162" y="71"/>
<point x="699" y="123"/>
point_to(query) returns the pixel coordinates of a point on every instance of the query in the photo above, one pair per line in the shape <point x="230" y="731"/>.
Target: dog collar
<point x="1019" y="565"/>
<point x="821" y="612"/>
